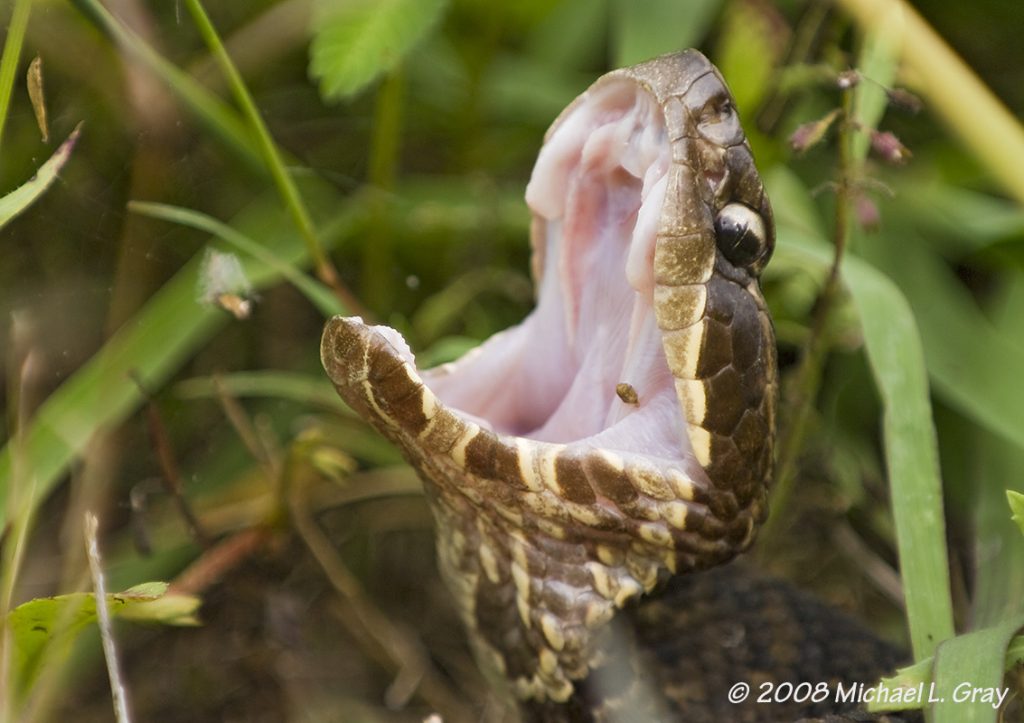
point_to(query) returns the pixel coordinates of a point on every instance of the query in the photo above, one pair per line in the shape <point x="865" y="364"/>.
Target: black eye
<point x="741" y="236"/>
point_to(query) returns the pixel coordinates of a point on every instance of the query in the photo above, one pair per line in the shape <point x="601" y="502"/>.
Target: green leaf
<point x="44" y="628"/>
<point x="968" y="659"/>
<point x="966" y="663"/>
<point x="911" y="678"/>
<point x="643" y="29"/>
<point x="22" y="197"/>
<point x="1016" y="501"/>
<point x="169" y="609"/>
<point x="356" y="41"/>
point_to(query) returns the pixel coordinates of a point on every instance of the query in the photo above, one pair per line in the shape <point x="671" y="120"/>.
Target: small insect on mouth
<point x="627" y="393"/>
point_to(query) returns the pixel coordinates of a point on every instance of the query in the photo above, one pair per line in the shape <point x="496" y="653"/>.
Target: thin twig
<point x="117" y="689"/>
<point x="215" y="563"/>
<point x="170" y="473"/>
<point x="881" y="573"/>
<point x="245" y="430"/>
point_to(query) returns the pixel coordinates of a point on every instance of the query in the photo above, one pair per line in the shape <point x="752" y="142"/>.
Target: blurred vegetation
<point x="162" y="302"/>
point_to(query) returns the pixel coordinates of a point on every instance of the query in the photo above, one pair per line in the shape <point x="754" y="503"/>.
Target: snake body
<point x="621" y="435"/>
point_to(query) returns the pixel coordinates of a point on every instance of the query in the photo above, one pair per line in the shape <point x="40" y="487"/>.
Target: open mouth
<point x="596" y="193"/>
<point x="646" y="369"/>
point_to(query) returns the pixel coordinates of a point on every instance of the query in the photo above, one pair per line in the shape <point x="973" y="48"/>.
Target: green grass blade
<point x="153" y="345"/>
<point x="897" y="362"/>
<point x="911" y="452"/>
<point x="22" y="197"/>
<point x="215" y="115"/>
<point x="293" y="201"/>
<point x="877" y="62"/>
<point x="9" y="60"/>
<point x="317" y="294"/>
<point x="302" y="388"/>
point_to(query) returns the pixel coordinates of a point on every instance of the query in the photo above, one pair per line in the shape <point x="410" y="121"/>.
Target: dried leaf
<point x="34" y="79"/>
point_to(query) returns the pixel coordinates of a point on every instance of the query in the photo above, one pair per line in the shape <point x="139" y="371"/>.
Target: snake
<point x="591" y="469"/>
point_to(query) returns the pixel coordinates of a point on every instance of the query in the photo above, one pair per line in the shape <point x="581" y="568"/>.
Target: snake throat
<point x="622" y="433"/>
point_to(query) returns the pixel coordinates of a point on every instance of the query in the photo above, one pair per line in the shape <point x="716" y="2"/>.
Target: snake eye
<point x="741" y="236"/>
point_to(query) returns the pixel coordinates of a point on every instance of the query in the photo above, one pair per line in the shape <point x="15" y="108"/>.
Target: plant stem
<point x="804" y="389"/>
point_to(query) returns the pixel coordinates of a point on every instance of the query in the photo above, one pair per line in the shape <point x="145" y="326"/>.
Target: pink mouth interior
<point x="598" y="188"/>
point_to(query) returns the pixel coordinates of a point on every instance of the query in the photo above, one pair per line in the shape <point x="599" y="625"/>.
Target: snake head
<point x="622" y="433"/>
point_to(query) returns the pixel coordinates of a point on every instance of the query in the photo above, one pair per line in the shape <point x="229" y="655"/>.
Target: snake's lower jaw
<point x="623" y="432"/>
